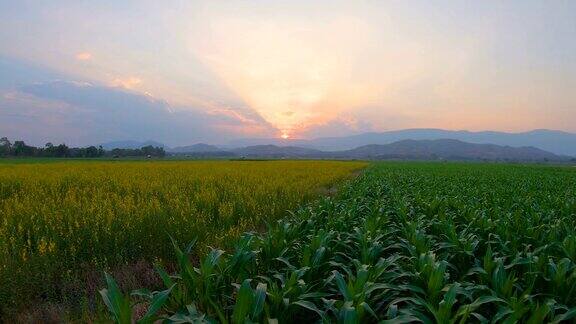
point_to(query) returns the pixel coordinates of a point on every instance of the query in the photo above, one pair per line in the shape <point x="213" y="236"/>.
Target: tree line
<point x="21" y="149"/>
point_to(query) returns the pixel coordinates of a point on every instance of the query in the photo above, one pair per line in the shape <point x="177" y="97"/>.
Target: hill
<point x="130" y="144"/>
<point x="273" y="151"/>
<point x="448" y="149"/>
<point x="442" y="149"/>
<point x="557" y="142"/>
<point x="196" y="148"/>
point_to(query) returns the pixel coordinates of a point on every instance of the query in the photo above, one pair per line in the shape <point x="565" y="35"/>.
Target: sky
<point x="183" y="72"/>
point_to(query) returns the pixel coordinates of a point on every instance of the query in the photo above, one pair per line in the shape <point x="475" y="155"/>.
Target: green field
<point x="63" y="222"/>
<point x="404" y="242"/>
<point x="401" y="242"/>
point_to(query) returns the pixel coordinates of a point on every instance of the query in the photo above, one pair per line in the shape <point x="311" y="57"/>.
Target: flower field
<point x="61" y="220"/>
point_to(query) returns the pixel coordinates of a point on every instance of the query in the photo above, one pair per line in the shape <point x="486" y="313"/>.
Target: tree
<point x="21" y="149"/>
<point x="62" y="151"/>
<point x="5" y="146"/>
<point x="49" y="150"/>
<point x="92" y="151"/>
<point x="160" y="152"/>
<point x="153" y="151"/>
<point x="147" y="150"/>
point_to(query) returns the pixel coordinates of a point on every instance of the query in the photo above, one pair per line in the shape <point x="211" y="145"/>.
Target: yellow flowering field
<point x="58" y="220"/>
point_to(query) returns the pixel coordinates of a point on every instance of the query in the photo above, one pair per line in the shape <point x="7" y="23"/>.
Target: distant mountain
<point x="196" y="148"/>
<point x="441" y="149"/>
<point x="245" y="142"/>
<point x="447" y="149"/>
<point x="130" y="144"/>
<point x="557" y="142"/>
<point x="547" y="141"/>
<point x="273" y="151"/>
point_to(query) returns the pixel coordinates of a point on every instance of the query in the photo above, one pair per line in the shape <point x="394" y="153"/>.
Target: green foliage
<point x="404" y="242"/>
<point x="117" y="303"/>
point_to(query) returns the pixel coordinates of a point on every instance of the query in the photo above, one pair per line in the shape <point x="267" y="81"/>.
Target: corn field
<point x="402" y="243"/>
<point x="59" y="221"/>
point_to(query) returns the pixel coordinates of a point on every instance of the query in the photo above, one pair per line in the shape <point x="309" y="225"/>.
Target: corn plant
<point x="402" y="243"/>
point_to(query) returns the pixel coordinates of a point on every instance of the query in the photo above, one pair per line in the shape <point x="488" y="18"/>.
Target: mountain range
<point x="130" y="144"/>
<point x="558" y="142"/>
<point x="537" y="145"/>
<point x="196" y="148"/>
<point x="441" y="149"/>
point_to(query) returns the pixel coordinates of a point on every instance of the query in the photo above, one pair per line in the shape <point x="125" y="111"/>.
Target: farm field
<point x="403" y="242"/>
<point x="62" y="223"/>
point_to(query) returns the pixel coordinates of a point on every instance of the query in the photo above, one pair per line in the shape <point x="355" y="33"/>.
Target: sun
<point x="285" y="136"/>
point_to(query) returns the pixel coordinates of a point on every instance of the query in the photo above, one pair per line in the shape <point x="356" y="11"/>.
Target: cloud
<point x="414" y="64"/>
<point x="128" y="83"/>
<point x="342" y="125"/>
<point x="84" y="56"/>
<point x="81" y="113"/>
<point x="292" y="73"/>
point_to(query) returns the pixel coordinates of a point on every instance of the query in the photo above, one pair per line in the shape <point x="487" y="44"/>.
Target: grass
<point x="404" y="242"/>
<point x="63" y="222"/>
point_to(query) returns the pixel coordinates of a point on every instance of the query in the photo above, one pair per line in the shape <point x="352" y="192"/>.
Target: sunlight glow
<point x="292" y="75"/>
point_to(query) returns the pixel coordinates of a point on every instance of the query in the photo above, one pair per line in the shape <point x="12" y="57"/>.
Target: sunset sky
<point x="182" y="72"/>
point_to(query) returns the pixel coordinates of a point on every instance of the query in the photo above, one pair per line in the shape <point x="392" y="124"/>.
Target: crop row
<point x="431" y="243"/>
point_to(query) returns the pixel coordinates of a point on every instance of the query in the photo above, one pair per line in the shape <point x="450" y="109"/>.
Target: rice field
<point x="402" y="243"/>
<point x="62" y="221"/>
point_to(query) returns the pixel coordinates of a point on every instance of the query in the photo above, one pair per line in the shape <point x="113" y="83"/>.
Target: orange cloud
<point x="84" y="56"/>
<point x="128" y="83"/>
